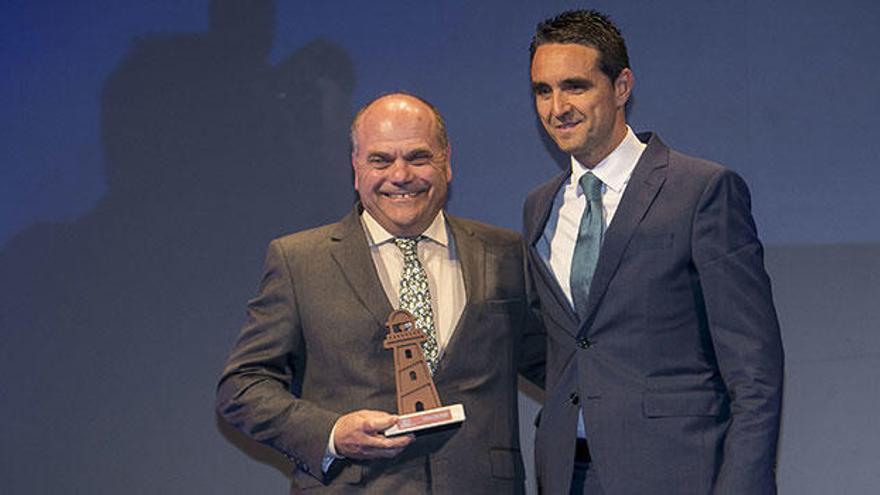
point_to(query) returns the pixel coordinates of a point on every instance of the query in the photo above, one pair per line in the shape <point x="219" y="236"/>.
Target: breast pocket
<point x="690" y="403"/>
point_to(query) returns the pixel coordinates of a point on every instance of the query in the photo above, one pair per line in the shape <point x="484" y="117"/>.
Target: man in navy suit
<point x="665" y="364"/>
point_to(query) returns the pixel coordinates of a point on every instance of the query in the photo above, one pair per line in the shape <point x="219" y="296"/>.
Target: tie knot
<point x="591" y="186"/>
<point x="407" y="244"/>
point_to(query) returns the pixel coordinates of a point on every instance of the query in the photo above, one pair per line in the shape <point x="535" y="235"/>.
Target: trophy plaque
<point x="418" y="404"/>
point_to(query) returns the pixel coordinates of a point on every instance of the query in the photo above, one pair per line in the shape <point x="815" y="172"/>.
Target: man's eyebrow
<point x="576" y="81"/>
<point x="538" y="86"/>
<point x="419" y="153"/>
<point x="379" y="154"/>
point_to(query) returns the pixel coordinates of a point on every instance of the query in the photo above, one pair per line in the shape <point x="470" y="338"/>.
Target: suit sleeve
<point x="254" y="393"/>
<point x="745" y="333"/>
<point x="532" y="358"/>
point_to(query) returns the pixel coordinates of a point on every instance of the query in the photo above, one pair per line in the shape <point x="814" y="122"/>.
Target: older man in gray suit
<point x="320" y="314"/>
<point x="664" y="368"/>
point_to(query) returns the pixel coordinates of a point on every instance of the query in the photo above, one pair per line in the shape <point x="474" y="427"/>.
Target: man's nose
<point x="560" y="104"/>
<point x="400" y="171"/>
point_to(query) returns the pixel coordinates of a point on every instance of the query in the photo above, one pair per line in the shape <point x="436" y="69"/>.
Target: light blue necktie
<point x="589" y="240"/>
<point x="415" y="297"/>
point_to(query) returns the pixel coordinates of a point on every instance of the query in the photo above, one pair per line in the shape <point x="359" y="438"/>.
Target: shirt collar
<point x="615" y="169"/>
<point x="376" y="234"/>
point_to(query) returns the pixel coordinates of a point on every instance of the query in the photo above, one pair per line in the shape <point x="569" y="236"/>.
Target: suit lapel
<point x="543" y="200"/>
<point x="471" y="252"/>
<point x="647" y="178"/>
<point x="535" y="224"/>
<point x="350" y="251"/>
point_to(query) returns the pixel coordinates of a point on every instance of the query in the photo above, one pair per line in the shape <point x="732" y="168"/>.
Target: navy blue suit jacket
<point x="678" y="362"/>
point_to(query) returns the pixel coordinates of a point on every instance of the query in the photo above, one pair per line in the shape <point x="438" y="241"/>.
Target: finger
<point x="399" y="442"/>
<point x="379" y="421"/>
<point x="381" y="442"/>
<point x="363" y="421"/>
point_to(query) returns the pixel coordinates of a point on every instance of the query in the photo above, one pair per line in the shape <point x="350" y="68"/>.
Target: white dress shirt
<point x="556" y="245"/>
<point x="439" y="258"/>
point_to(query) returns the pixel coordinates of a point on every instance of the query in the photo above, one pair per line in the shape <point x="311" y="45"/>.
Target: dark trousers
<point x="584" y="479"/>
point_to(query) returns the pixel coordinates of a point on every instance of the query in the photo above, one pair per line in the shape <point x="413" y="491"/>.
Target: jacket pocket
<point x="690" y="403"/>
<point x="506" y="464"/>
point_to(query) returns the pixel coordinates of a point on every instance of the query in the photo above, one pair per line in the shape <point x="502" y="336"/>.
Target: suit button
<point x="574" y="399"/>
<point x="584" y="343"/>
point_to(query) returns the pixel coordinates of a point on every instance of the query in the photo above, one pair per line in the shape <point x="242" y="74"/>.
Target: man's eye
<point x="378" y="162"/>
<point x="420" y="160"/>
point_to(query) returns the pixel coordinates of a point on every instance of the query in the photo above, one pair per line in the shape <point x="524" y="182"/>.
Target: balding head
<point x="400" y="156"/>
<point x="401" y="100"/>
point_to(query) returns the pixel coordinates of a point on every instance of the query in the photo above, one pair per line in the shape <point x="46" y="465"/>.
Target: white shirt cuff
<point x="330" y="453"/>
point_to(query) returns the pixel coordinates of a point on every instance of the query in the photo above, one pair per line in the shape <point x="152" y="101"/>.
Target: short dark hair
<point x="589" y="28"/>
<point x="442" y="137"/>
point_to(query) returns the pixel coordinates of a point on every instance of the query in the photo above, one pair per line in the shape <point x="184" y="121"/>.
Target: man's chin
<point x="403" y="226"/>
<point x="569" y="146"/>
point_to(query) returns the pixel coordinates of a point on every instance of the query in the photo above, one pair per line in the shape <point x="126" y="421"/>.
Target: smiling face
<point x="401" y="169"/>
<point x="580" y="108"/>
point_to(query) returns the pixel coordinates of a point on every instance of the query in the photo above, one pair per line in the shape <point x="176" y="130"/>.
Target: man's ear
<point x="354" y="171"/>
<point x="623" y="86"/>
<point x="448" y="163"/>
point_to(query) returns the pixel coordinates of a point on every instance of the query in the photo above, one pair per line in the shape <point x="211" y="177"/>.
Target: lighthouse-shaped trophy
<point x="417" y="401"/>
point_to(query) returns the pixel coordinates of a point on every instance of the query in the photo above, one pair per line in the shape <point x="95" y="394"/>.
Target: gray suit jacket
<point x="319" y="321"/>
<point x="678" y="362"/>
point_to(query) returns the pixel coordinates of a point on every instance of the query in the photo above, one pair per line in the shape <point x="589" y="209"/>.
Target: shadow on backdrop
<point x="116" y="326"/>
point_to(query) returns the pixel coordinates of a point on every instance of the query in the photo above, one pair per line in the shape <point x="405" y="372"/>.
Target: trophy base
<point x="422" y="420"/>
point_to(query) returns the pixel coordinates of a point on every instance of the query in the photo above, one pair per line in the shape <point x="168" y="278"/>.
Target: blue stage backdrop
<point x="150" y="150"/>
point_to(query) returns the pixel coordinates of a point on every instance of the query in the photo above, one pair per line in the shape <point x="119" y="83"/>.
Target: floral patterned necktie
<point x="416" y="298"/>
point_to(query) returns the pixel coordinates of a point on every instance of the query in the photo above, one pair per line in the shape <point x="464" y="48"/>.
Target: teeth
<point x="401" y="195"/>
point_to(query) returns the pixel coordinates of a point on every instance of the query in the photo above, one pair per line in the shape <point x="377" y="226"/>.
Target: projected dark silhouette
<point x="115" y="327"/>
